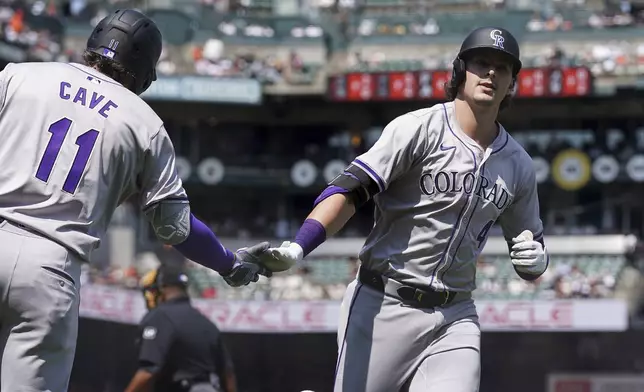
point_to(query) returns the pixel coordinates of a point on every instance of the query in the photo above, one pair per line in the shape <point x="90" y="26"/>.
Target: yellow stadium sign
<point x="571" y="169"/>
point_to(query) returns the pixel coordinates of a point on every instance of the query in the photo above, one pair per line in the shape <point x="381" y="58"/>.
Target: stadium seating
<point x="291" y="48"/>
<point x="567" y="277"/>
<point x="587" y="276"/>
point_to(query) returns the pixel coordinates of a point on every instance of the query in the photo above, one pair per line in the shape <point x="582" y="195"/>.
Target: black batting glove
<point x="247" y="266"/>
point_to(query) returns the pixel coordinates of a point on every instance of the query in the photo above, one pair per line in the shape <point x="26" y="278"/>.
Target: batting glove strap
<point x="288" y="251"/>
<point x="242" y="274"/>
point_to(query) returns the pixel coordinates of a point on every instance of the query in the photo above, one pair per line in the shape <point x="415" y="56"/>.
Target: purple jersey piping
<point x="372" y="173"/>
<point x="464" y="232"/>
<point x="460" y="214"/>
<point x="507" y="139"/>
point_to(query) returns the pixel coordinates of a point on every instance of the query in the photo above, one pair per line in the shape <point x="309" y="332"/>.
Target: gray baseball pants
<point x="387" y="346"/>
<point x="204" y="387"/>
<point x="40" y="286"/>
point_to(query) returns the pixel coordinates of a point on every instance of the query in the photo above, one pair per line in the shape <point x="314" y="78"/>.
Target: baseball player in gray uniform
<point x="440" y="178"/>
<point x="77" y="140"/>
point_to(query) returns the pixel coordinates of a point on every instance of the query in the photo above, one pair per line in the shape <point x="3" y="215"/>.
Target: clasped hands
<point x="261" y="259"/>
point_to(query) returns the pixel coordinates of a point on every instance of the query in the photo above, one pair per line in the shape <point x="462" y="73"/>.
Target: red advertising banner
<point x="531" y="83"/>
<point x="440" y="78"/>
<point x="419" y="85"/>
<point x="360" y="87"/>
<point x="402" y="85"/>
<point x="576" y="82"/>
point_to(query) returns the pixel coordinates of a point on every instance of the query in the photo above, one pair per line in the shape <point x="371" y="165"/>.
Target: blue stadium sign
<point x="205" y="89"/>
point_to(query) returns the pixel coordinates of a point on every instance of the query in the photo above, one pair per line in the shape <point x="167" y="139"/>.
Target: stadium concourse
<point x="267" y="100"/>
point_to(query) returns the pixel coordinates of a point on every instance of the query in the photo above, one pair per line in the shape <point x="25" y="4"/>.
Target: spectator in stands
<point x="165" y="65"/>
<point x="295" y="61"/>
<point x="296" y="286"/>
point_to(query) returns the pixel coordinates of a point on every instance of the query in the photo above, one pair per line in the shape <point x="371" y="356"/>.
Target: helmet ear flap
<point x="146" y="85"/>
<point x="458" y="71"/>
<point x="142" y="85"/>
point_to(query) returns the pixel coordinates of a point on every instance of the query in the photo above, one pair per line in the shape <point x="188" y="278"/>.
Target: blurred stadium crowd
<point x="326" y="278"/>
<point x="229" y="38"/>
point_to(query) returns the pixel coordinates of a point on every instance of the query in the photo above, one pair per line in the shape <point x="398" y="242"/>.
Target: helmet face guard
<point x="131" y="39"/>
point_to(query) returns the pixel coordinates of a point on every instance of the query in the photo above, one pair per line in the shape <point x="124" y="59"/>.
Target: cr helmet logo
<point x="497" y="36"/>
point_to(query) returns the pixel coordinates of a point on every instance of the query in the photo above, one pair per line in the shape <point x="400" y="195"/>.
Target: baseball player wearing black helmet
<point x="126" y="45"/>
<point x="440" y="178"/>
<point x="485" y="43"/>
<point x="78" y="140"/>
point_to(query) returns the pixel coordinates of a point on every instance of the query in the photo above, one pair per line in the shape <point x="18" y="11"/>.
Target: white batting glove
<point x="528" y="255"/>
<point x="284" y="257"/>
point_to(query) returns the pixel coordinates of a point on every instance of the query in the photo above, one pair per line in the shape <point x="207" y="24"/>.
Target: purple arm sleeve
<point x="203" y="247"/>
<point x="310" y="236"/>
<point x="328" y="191"/>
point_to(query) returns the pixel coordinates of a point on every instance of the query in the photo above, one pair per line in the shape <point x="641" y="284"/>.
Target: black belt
<point x="411" y="295"/>
<point x="186" y="383"/>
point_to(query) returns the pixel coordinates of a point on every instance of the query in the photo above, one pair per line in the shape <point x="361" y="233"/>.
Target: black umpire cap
<point x="171" y="274"/>
<point x="168" y="274"/>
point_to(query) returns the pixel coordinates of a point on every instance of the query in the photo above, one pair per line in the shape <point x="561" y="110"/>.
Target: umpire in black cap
<point x="180" y="349"/>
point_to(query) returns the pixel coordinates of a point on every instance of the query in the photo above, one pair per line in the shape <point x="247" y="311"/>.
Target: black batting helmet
<point x="493" y="38"/>
<point x="131" y="39"/>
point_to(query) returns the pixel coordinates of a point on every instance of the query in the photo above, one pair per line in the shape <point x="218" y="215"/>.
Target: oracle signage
<point x="127" y="306"/>
<point x="111" y="303"/>
<point x="526" y="315"/>
<point x="270" y="316"/>
<point x="422" y="85"/>
<point x="595" y="383"/>
<point x="556" y="315"/>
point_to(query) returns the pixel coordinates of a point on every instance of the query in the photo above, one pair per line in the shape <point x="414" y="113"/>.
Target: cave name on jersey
<point x="456" y="182"/>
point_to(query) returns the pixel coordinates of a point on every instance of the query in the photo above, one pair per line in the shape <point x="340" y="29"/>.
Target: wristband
<point x="310" y="236"/>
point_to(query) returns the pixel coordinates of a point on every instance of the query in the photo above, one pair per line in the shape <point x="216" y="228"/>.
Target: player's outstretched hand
<point x="248" y="267"/>
<point x="282" y="258"/>
<point x="528" y="255"/>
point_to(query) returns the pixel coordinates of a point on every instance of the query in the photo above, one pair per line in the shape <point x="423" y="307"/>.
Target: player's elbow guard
<point x="170" y="221"/>
<point x="354" y="183"/>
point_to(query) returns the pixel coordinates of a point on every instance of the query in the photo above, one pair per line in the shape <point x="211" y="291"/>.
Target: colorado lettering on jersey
<point x="84" y="98"/>
<point x="455" y="182"/>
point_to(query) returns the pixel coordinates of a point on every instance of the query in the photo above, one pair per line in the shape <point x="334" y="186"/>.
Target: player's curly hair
<point x="451" y="91"/>
<point x="108" y="67"/>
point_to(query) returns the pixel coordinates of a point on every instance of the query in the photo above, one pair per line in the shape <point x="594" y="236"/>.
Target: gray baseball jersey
<point x="76" y="144"/>
<point x="440" y="193"/>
